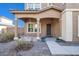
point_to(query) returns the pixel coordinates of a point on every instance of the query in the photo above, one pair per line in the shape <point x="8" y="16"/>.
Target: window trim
<point x="30" y="28"/>
<point x="33" y="27"/>
<point x="40" y="6"/>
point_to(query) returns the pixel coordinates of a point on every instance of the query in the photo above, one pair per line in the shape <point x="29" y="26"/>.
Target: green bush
<point x="6" y="37"/>
<point x="23" y="45"/>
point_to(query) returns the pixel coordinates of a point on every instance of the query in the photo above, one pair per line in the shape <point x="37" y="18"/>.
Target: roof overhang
<point x="35" y="13"/>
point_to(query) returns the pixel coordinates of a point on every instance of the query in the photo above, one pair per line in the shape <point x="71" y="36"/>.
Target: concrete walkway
<point x="57" y="49"/>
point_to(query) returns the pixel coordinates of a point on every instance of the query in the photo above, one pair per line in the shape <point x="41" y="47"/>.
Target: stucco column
<point x="25" y="28"/>
<point x="67" y="25"/>
<point x="38" y="26"/>
<point x="60" y="26"/>
<point x="16" y="29"/>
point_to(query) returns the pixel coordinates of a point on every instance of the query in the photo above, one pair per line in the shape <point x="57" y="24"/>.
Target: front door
<point x="48" y="29"/>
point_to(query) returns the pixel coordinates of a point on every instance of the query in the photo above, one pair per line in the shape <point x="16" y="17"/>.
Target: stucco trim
<point x="69" y="29"/>
<point x="78" y="25"/>
<point x="70" y="10"/>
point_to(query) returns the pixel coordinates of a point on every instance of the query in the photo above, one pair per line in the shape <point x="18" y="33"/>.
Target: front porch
<point x="47" y="27"/>
<point x="38" y="24"/>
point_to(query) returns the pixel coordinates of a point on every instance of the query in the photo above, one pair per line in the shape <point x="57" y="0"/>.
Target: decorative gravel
<point x="7" y="49"/>
<point x="39" y="49"/>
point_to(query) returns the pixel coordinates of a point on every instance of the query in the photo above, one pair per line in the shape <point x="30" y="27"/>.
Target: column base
<point x="38" y="38"/>
<point x="16" y="38"/>
<point x="60" y="37"/>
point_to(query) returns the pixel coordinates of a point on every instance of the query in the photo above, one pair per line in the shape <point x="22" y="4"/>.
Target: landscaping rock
<point x="39" y="49"/>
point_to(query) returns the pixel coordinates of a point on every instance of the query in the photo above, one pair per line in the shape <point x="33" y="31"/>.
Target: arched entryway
<point x="50" y="27"/>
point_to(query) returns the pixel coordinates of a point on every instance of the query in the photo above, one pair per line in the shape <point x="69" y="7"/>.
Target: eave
<point x="36" y="12"/>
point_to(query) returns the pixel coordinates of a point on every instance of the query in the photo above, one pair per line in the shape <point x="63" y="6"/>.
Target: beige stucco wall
<point x="75" y="25"/>
<point x="55" y="27"/>
<point x="72" y="5"/>
<point x="50" y="13"/>
<point x="44" y="5"/>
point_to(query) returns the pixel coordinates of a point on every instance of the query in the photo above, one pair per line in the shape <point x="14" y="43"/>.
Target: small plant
<point x="6" y="37"/>
<point x="43" y="39"/>
<point x="23" y="45"/>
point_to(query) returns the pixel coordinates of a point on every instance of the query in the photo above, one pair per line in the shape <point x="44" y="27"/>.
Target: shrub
<point x="23" y="45"/>
<point x="43" y="39"/>
<point x="6" y="37"/>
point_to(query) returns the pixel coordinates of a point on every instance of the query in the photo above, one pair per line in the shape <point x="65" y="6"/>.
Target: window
<point x="30" y="6"/>
<point x="50" y="4"/>
<point x="33" y="6"/>
<point x="37" y="6"/>
<point x="32" y="27"/>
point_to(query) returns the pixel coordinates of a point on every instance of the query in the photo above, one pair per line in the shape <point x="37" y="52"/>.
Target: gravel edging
<point x="39" y="49"/>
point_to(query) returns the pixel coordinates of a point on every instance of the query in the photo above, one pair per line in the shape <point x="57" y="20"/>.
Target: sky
<point x="5" y="11"/>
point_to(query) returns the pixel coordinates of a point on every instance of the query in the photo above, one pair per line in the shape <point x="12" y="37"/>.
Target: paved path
<point x="57" y="49"/>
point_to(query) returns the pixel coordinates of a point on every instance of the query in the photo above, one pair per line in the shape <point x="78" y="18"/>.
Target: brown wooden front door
<point x="48" y="29"/>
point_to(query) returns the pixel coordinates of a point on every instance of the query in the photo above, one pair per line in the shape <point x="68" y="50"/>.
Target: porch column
<point x="38" y="34"/>
<point x="67" y="27"/>
<point x="16" y="29"/>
